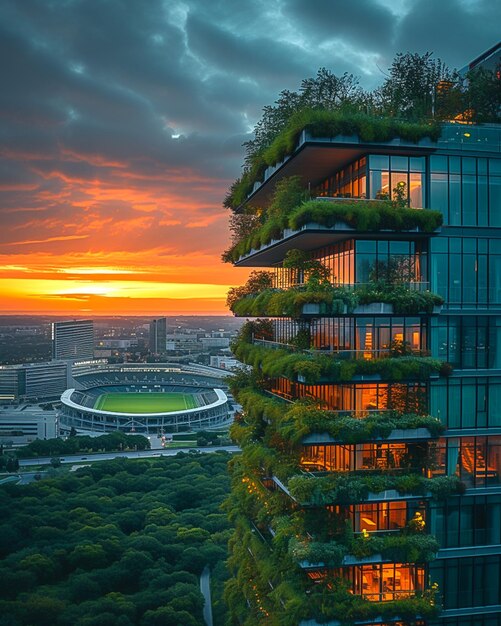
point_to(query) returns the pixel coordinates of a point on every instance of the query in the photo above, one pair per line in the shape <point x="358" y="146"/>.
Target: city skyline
<point x="123" y="128"/>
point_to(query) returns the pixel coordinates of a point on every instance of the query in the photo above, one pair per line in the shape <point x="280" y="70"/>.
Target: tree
<point x="257" y="282"/>
<point x="483" y="95"/>
<point x="412" y="89"/>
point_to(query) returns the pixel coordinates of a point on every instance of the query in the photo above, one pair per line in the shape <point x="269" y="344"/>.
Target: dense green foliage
<point x="294" y="597"/>
<point x="121" y="542"/>
<point x="361" y="215"/>
<point x="342" y="488"/>
<point x="418" y="93"/>
<point x="418" y="548"/>
<point x="311" y="368"/>
<point x="287" y="532"/>
<point x="83" y="443"/>
<point x="333" y="300"/>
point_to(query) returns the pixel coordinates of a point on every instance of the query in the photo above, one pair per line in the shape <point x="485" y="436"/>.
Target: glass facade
<point x="467" y="342"/>
<point x="467" y="521"/>
<point x="360" y="398"/>
<point x="470" y="402"/>
<point x="461" y="263"/>
<point x="467" y="190"/>
<point x="466" y="271"/>
<point x="468" y="582"/>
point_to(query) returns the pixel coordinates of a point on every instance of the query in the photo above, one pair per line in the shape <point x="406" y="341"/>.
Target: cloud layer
<point x="122" y="124"/>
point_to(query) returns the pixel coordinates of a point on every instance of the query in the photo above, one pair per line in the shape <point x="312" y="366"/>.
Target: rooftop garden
<point x="418" y="94"/>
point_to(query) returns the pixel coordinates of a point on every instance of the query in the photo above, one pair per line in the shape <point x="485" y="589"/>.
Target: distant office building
<point x="224" y="362"/>
<point x="180" y="342"/>
<point x="21" y="425"/>
<point x="158" y="335"/>
<point x="33" y="381"/>
<point x="73" y="340"/>
<point x="209" y="343"/>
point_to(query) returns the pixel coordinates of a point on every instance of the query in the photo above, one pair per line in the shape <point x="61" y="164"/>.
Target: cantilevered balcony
<point x="326" y="220"/>
<point x="315" y="158"/>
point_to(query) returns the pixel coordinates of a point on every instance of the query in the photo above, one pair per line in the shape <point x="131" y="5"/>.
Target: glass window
<point x="495" y="200"/>
<point x="416" y="190"/>
<point x="469" y="200"/>
<point x="399" y="163"/>
<point x="417" y="164"/>
<point x="495" y="167"/>
<point x="454" y="199"/>
<point x="379" y="161"/>
<point x="454" y="165"/>
<point x="439" y="194"/>
<point x="439" y="164"/>
<point x="469" y="165"/>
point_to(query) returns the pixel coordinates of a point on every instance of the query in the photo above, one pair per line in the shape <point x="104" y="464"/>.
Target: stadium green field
<point x="145" y="402"/>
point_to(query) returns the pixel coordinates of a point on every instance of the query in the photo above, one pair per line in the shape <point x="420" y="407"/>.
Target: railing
<point x="340" y="353"/>
<point x="349" y="198"/>
<point x="411" y="285"/>
<point x="361" y="472"/>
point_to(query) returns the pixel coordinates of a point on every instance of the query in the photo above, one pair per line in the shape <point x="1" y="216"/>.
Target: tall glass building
<point x="369" y="487"/>
<point x="158" y="335"/>
<point x="73" y="340"/>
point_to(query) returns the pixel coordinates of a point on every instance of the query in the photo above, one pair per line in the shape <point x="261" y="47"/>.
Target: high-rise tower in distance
<point x="72" y="340"/>
<point x="368" y="490"/>
<point x="158" y="335"/>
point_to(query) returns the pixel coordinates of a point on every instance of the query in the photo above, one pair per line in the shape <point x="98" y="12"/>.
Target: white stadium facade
<point x="91" y="380"/>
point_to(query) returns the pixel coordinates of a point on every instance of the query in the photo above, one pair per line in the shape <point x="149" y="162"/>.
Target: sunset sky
<point x="122" y="121"/>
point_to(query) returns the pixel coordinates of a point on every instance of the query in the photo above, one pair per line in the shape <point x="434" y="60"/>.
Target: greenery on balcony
<point x="341" y="488"/>
<point x="312" y="368"/>
<point x="400" y="548"/>
<point x="268" y="588"/>
<point x="302" y="420"/>
<point x="417" y="94"/>
<point x="294" y="422"/>
<point x="360" y="215"/>
<point x="333" y="300"/>
<point x="324" y="123"/>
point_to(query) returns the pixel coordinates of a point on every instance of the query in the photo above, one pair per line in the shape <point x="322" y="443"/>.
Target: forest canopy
<point x="120" y="542"/>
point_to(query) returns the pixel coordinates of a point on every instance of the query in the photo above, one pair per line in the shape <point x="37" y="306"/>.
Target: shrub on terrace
<point x="396" y="548"/>
<point x="339" y="488"/>
<point x="368" y="216"/>
<point x="302" y="420"/>
<point x="314" y="367"/>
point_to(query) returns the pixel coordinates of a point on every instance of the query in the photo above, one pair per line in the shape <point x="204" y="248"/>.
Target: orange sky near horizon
<point x="125" y="243"/>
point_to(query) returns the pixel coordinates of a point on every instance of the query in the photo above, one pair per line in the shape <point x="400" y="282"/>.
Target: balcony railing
<point x="339" y="353"/>
<point x="411" y="285"/>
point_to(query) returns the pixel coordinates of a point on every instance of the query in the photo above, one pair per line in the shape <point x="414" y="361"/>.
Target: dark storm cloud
<point x="123" y="111"/>
<point x="455" y="30"/>
<point x="246" y="57"/>
<point x="364" y="23"/>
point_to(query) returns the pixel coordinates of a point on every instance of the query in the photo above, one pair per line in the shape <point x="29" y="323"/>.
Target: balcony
<point x="378" y="298"/>
<point x="309" y="490"/>
<point x="323" y="221"/>
<point x="314" y="157"/>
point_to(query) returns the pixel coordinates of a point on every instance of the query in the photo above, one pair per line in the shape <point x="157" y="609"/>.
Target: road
<point x="108" y="456"/>
<point x="205" y="589"/>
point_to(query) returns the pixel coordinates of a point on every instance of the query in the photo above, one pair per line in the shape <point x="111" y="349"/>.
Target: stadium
<point x="149" y="399"/>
